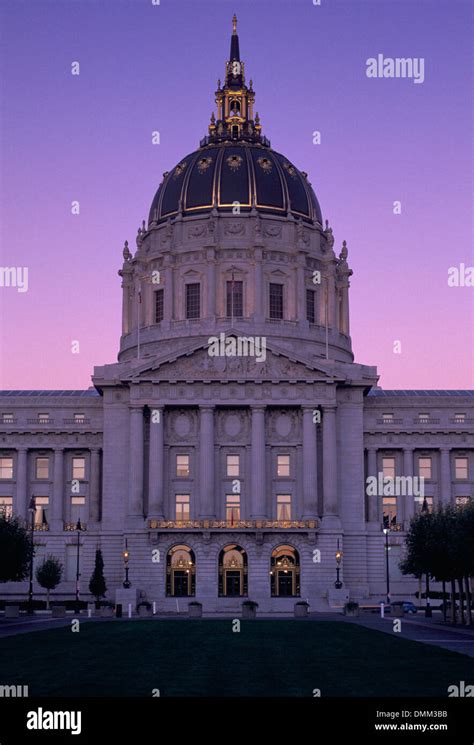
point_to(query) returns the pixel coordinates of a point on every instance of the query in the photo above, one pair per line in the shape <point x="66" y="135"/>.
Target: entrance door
<point x="181" y="583"/>
<point x="285" y="583"/>
<point x="232" y="582"/>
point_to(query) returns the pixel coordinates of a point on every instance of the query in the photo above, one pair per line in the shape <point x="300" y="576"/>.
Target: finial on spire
<point x="234" y="24"/>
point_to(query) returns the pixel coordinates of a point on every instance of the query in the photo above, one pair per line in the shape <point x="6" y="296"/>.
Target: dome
<point x="226" y="172"/>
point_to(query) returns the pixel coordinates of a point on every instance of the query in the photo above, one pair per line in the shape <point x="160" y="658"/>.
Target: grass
<point x="206" y="658"/>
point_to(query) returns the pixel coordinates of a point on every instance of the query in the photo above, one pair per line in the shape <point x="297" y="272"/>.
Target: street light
<point x="79" y="530"/>
<point x="126" y="556"/>
<point x="32" y="511"/>
<point x="387" y="570"/>
<point x="339" y="555"/>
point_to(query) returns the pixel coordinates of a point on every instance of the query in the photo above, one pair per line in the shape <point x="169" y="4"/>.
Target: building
<point x="230" y="444"/>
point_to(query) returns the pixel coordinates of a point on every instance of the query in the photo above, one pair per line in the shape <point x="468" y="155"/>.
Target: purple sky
<point x="145" y="68"/>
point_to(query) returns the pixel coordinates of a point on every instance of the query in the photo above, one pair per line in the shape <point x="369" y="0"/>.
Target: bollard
<point x="382" y="610"/>
<point x="129" y="610"/>
<point x="154" y="608"/>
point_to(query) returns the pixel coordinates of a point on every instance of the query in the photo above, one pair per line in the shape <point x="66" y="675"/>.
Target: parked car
<point x="409" y="607"/>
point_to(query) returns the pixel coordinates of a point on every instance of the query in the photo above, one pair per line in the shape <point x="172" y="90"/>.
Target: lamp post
<point x="339" y="555"/>
<point x="126" y="556"/>
<point x="32" y="511"/>
<point x="79" y="530"/>
<point x="387" y="570"/>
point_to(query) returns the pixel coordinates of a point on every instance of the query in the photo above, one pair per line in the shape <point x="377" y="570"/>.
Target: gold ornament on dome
<point x="265" y="164"/>
<point x="204" y="163"/>
<point x="179" y="169"/>
<point x="291" y="170"/>
<point x="234" y="162"/>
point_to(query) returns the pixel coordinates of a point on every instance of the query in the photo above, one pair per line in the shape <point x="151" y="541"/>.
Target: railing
<point x="71" y="527"/>
<point x="40" y="421"/>
<point x="389" y="421"/>
<point x="426" y="420"/>
<point x="8" y="421"/>
<point x="233" y="524"/>
<point x="41" y="526"/>
<point x="461" y="421"/>
<point x="76" y="421"/>
<point x="393" y="527"/>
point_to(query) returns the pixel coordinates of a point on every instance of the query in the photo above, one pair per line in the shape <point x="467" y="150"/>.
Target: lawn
<point x="206" y="658"/>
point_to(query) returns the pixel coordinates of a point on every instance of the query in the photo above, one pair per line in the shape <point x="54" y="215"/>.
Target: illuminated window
<point x="424" y="418"/>
<point x="423" y="504"/>
<point x="462" y="501"/>
<point x="424" y="468"/>
<point x="232" y="508"/>
<point x="388" y="467"/>
<point x="6" y="468"/>
<point x="276" y="300"/>
<point x="78" y="468"/>
<point x="182" y="466"/>
<point x="43" y="418"/>
<point x="42" y="468"/>
<point x="283" y="465"/>
<point x="193" y="300"/>
<point x="233" y="465"/>
<point x="389" y="512"/>
<point x="232" y="572"/>
<point x="461" y="468"/>
<point x="235" y="299"/>
<point x="41" y="511"/>
<point x="79" y="418"/>
<point x="180" y="571"/>
<point x="77" y="509"/>
<point x="387" y="418"/>
<point x="283" y="507"/>
<point x="159" y="305"/>
<point x="182" y="507"/>
<point x="285" y="572"/>
<point x="7" y="418"/>
<point x="459" y="418"/>
<point x="6" y="506"/>
<point x="311" y="306"/>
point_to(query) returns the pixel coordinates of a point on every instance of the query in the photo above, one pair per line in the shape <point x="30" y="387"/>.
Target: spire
<point x="235" y="101"/>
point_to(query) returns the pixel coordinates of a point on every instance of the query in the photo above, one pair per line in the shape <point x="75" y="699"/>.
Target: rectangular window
<point x="78" y="468"/>
<point x="424" y="468"/>
<point x="283" y="506"/>
<point x="7" y="418"/>
<point x="77" y="509"/>
<point x="387" y="418"/>
<point x="6" y="468"/>
<point x="182" y="506"/>
<point x="41" y="511"/>
<point x="461" y="468"/>
<point x="420" y="501"/>
<point x="276" y="300"/>
<point x="193" y="300"/>
<point x="233" y="465"/>
<point x="232" y="508"/>
<point x="424" y="418"/>
<point x="311" y="306"/>
<point x="159" y="305"/>
<point x="6" y="506"/>
<point x="389" y="512"/>
<point x="43" y="418"/>
<point x="462" y="501"/>
<point x="283" y="465"/>
<point x="79" y="418"/>
<point x="71" y="562"/>
<point x="388" y="467"/>
<point x="42" y="468"/>
<point x="182" y="466"/>
<point x="235" y="299"/>
<point x="459" y="418"/>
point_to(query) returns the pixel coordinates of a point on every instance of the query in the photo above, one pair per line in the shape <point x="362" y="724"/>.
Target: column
<point x="126" y="320"/>
<point x="300" y="289"/>
<point x="374" y="513"/>
<point x="58" y="490"/>
<point x="345" y="309"/>
<point x="135" y="494"/>
<point x="410" y="499"/>
<point x="258" y="496"/>
<point x="446" y="488"/>
<point x="258" y="285"/>
<point x="156" y="464"/>
<point x="206" y="462"/>
<point x="211" y="284"/>
<point x="330" y="509"/>
<point x="310" y="473"/>
<point x="94" y="510"/>
<point x="21" y="497"/>
<point x="168" y="287"/>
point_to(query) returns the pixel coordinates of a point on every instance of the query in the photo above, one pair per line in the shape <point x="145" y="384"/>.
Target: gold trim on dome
<point x="265" y="164"/>
<point x="219" y="175"/>
<point x="291" y="170"/>
<point x="179" y="169"/>
<point x="204" y="164"/>
<point x="234" y="162"/>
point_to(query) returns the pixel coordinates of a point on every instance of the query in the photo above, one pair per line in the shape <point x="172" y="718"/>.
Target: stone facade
<point x="257" y="468"/>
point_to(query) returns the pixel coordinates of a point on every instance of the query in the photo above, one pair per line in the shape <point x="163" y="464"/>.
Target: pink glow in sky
<point x="146" y="68"/>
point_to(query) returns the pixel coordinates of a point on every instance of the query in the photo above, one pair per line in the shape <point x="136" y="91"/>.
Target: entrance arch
<point x="180" y="571"/>
<point x="233" y="571"/>
<point x="285" y="572"/>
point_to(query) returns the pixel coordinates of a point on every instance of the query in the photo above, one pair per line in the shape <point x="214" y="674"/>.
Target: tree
<point x="49" y="574"/>
<point x="97" y="586"/>
<point x="16" y="550"/>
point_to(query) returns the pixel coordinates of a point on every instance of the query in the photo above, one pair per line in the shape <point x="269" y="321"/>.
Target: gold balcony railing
<point x="233" y="524"/>
<point x="71" y="527"/>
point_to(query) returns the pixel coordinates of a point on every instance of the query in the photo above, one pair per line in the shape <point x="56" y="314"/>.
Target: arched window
<point x="234" y="107"/>
<point x="232" y="571"/>
<point x="180" y="572"/>
<point x="235" y="132"/>
<point x="285" y="572"/>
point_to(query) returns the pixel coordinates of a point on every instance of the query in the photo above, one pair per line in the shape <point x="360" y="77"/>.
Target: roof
<point x="427" y="393"/>
<point x="90" y="392"/>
